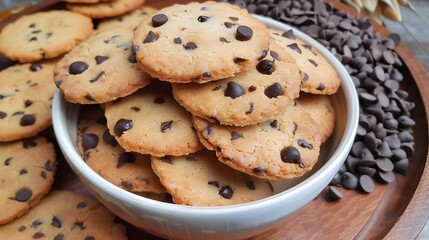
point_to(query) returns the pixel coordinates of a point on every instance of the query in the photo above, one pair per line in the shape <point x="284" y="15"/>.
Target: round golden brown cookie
<point x="100" y="69"/>
<point x="200" y="42"/>
<point x="44" y="35"/>
<point x="151" y="122"/>
<point x="101" y="151"/>
<point x="26" y="92"/>
<point x="321" y="111"/>
<point x="131" y="19"/>
<point x="104" y="9"/>
<point x="318" y="75"/>
<point x="285" y="147"/>
<point x="86" y="1"/>
<point x="248" y="98"/>
<point x="66" y="215"/>
<point x="27" y="171"/>
<point x="200" y="180"/>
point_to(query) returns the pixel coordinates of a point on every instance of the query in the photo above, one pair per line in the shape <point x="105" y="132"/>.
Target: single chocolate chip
<point x="243" y="33"/>
<point x="291" y="155"/>
<point x="127" y="185"/>
<point x="23" y="195"/>
<point x="295" y="47"/>
<point x="265" y="67"/>
<point x="213" y="183"/>
<point x="97" y="77"/>
<point x="314" y="63"/>
<point x="386" y="177"/>
<point x="159" y="100"/>
<point x="108" y="138"/>
<point x="203" y="19"/>
<point x="38" y="235"/>
<point x="48" y="166"/>
<point x="222" y="39"/>
<point x="59" y="236"/>
<point x="274" y="90"/>
<point x="207" y="74"/>
<point x="235" y="19"/>
<point x="159" y="20"/>
<point x="259" y="170"/>
<point x="250" y="185"/>
<point x="333" y="194"/>
<point x="166" y="159"/>
<point x="367" y="171"/>
<point x="401" y="166"/>
<point x="36" y="223"/>
<point x="177" y="40"/>
<point x="304" y="144"/>
<point x="33" y="39"/>
<point x="366" y="184"/>
<point x="135" y="109"/>
<point x="28" y="143"/>
<point x="151" y="37"/>
<point x="35" y="67"/>
<point x="89" y="141"/>
<point x="384" y="164"/>
<point x="27" y="103"/>
<point x="23" y="171"/>
<point x="78" y="225"/>
<point x="3" y="115"/>
<point x="229" y="25"/>
<point x="240" y="60"/>
<point x="263" y="55"/>
<point x="233" y="90"/>
<point x="78" y="67"/>
<point x="81" y="205"/>
<point x="252" y="89"/>
<point x="122" y="125"/>
<point x="190" y="46"/>
<point x="124" y="158"/>
<point x="22" y="228"/>
<point x="349" y="181"/>
<point x="56" y="222"/>
<point x="43" y="174"/>
<point x="226" y="192"/>
<point x="289" y="34"/>
<point x="235" y="135"/>
<point x="336" y="180"/>
<point x="27" y="120"/>
<point x="100" y="59"/>
<point x="7" y="161"/>
<point x="166" y="125"/>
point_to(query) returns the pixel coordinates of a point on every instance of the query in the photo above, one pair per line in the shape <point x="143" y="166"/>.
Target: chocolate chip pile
<point x="384" y="141"/>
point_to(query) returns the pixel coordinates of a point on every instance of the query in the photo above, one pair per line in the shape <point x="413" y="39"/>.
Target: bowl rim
<point x="60" y="111"/>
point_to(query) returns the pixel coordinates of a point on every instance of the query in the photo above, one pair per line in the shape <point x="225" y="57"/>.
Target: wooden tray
<point x="398" y="210"/>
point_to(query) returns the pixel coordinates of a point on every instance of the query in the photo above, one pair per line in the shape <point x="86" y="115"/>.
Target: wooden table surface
<point x="395" y="211"/>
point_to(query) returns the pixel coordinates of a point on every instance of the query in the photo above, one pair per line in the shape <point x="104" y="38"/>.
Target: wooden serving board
<point x="398" y="210"/>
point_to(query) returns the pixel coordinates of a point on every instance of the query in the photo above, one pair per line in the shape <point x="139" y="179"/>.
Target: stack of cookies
<point x="200" y="101"/>
<point x="30" y="48"/>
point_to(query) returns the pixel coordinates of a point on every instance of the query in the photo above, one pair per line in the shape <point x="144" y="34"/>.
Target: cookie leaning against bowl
<point x="100" y="69"/>
<point x="200" y="180"/>
<point x="27" y="174"/>
<point x="44" y="35"/>
<point x="131" y="19"/>
<point x="65" y="215"/>
<point x="26" y="92"/>
<point x="321" y="111"/>
<point x="151" y="122"/>
<point x="318" y="75"/>
<point x="282" y="148"/>
<point x="248" y="98"/>
<point x="199" y="42"/>
<point x="105" y="9"/>
<point x="101" y="151"/>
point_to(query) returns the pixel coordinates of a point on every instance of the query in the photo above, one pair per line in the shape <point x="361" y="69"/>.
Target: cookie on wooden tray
<point x="65" y="215"/>
<point x="26" y="92"/>
<point x="44" y="35"/>
<point x="318" y="75"/>
<point x="105" y="9"/>
<point x="131" y="19"/>
<point x="101" y="151"/>
<point x="321" y="110"/>
<point x="248" y="98"/>
<point x="200" y="42"/>
<point x="281" y="148"/>
<point x="100" y="69"/>
<point x="27" y="171"/>
<point x="151" y="122"/>
<point x="200" y="180"/>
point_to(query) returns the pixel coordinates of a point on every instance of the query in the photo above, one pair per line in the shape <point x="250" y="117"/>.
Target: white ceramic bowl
<point x="231" y="222"/>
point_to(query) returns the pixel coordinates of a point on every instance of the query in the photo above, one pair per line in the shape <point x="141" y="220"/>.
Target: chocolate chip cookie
<point x="248" y="98"/>
<point x="131" y="19"/>
<point x="27" y="171"/>
<point x="318" y="75"/>
<point x="26" y="92"/>
<point x="200" y="180"/>
<point x="105" y="9"/>
<point x="100" y="150"/>
<point x="281" y="148"/>
<point x="101" y="69"/>
<point x="200" y="42"/>
<point x="66" y="215"/>
<point x="44" y="35"/>
<point x="151" y="122"/>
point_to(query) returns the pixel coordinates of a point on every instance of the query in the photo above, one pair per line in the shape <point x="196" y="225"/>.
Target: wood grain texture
<point x="395" y="211"/>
